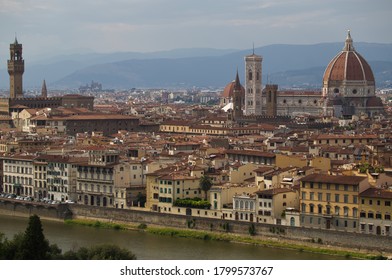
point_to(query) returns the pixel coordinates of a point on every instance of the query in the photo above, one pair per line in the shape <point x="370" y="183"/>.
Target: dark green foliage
<point x="205" y="184"/>
<point x="193" y="203"/>
<point x="142" y="226"/>
<point x="252" y="229"/>
<point x="226" y="227"/>
<point x="100" y="252"/>
<point x="191" y="223"/>
<point x="32" y="245"/>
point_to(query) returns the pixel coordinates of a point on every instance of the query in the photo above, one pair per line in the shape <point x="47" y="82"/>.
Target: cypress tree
<point x="34" y="245"/>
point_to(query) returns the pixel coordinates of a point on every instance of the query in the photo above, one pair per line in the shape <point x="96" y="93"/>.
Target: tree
<point x="100" y="252"/>
<point x="205" y="184"/>
<point x="34" y="244"/>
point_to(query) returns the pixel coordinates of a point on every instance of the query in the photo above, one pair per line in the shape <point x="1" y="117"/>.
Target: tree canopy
<point x="32" y="245"/>
<point x="205" y="184"/>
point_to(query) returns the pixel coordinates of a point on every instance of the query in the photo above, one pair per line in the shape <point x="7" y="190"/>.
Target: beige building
<point x="18" y="175"/>
<point x="331" y="202"/>
<point x="272" y="204"/>
<point x="375" y="211"/>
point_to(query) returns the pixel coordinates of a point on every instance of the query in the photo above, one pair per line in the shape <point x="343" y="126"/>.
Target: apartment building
<point x="375" y="211"/>
<point x="331" y="202"/>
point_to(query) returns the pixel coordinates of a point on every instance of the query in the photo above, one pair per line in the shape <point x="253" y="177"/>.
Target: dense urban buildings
<point x="317" y="159"/>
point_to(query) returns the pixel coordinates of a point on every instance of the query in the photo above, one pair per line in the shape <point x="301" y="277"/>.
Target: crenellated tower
<point x="16" y="70"/>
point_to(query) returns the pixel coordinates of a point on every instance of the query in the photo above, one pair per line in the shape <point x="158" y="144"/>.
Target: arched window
<point x="337" y="210"/>
<point x="258" y="76"/>
<point x="250" y="75"/>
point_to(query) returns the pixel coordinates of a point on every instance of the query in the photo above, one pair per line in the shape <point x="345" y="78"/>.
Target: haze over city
<point x="57" y="27"/>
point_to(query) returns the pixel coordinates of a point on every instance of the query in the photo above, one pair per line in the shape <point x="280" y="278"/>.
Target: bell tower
<point x="253" y="92"/>
<point x="15" y="70"/>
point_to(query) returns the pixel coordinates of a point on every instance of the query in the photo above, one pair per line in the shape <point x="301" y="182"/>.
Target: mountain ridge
<point x="196" y="67"/>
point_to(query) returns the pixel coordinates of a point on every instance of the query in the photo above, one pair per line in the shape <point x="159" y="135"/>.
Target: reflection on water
<point x="148" y="246"/>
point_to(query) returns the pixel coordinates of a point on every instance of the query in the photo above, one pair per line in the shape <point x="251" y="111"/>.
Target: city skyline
<point x="54" y="27"/>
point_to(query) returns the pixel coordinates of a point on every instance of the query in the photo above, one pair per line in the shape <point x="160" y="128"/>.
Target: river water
<point x="148" y="246"/>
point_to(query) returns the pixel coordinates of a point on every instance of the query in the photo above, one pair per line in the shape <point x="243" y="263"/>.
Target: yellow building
<point x="166" y="185"/>
<point x="331" y="202"/>
<point x="272" y="204"/>
<point x="375" y="211"/>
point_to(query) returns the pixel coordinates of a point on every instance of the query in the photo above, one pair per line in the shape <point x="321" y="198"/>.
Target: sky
<point x="50" y="27"/>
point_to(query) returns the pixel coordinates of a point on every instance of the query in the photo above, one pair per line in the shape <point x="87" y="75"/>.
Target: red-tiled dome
<point x="374" y="101"/>
<point x="228" y="91"/>
<point x="348" y="65"/>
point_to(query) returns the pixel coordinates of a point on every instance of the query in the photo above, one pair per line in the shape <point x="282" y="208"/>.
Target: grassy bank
<point x="227" y="237"/>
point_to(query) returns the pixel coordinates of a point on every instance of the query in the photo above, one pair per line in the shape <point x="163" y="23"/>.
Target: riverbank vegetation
<point x="32" y="245"/>
<point x="312" y="247"/>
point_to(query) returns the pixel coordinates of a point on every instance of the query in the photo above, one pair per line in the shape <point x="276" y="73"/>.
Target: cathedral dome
<point x="348" y="65"/>
<point x="228" y="91"/>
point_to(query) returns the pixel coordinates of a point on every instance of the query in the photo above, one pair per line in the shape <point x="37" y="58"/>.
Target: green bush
<point x="192" y="203"/>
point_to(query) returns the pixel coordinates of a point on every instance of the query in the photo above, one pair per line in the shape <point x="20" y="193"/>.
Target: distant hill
<point x="286" y="65"/>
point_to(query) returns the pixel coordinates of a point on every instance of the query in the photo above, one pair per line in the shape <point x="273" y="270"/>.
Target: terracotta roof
<point x="374" y="101"/>
<point x="376" y="193"/>
<point x="341" y="179"/>
<point x="274" y="191"/>
<point x="228" y="91"/>
<point x="250" y="152"/>
<point x="337" y="136"/>
<point x="348" y="65"/>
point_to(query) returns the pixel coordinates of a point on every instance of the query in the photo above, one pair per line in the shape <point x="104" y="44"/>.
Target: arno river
<point x="153" y="247"/>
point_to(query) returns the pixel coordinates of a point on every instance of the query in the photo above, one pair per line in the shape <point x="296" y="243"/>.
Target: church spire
<point x="44" y="91"/>
<point x="237" y="84"/>
<point x="348" y="46"/>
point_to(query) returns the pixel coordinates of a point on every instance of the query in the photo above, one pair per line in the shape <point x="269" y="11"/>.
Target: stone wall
<point x="27" y="209"/>
<point x="76" y="211"/>
<point x="335" y="238"/>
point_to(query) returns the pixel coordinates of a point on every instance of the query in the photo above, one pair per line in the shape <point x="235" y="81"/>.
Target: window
<point x="378" y="215"/>
<point x="328" y="197"/>
<point x="336" y="187"/>
<point x="311" y="208"/>
<point x="337" y="210"/>
<point x="370" y="202"/>
<point x="387" y="216"/>
<point x="345" y="211"/>
<point x="387" y="203"/>
<point x="303" y="195"/>
<point x="345" y="198"/>
<point x="355" y="212"/>
<point x="320" y="185"/>
<point x="320" y="196"/>
<point x="311" y="196"/>
<point x="336" y="197"/>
